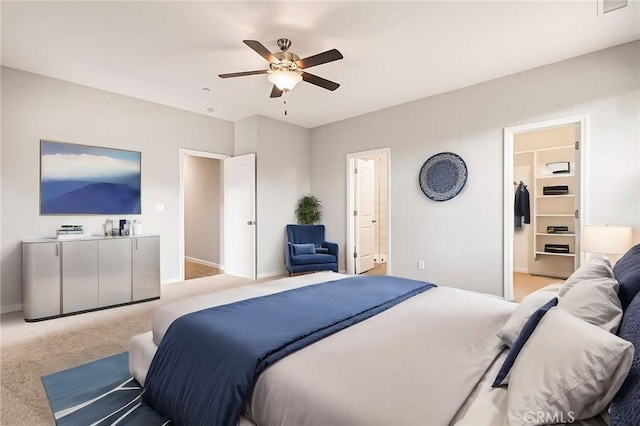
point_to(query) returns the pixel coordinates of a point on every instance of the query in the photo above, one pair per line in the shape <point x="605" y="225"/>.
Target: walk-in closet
<point x="546" y="204"/>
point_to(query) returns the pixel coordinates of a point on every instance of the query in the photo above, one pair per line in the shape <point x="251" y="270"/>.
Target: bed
<point x="428" y="360"/>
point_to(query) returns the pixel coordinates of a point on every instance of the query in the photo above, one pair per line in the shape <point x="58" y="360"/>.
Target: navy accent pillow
<point x="525" y="333"/>
<point x="304" y="249"/>
<point x="627" y="272"/>
<point x="322" y="250"/>
<point x="625" y="407"/>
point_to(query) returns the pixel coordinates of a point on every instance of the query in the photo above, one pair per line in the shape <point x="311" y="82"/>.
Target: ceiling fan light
<point x="285" y="80"/>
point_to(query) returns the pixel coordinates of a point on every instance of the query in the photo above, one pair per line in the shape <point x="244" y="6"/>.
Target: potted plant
<point x="308" y="210"/>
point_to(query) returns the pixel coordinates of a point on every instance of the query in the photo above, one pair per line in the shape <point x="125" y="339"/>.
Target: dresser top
<point x="86" y="238"/>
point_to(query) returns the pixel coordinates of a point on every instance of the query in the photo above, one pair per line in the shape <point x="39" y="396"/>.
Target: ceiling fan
<point x="286" y="69"/>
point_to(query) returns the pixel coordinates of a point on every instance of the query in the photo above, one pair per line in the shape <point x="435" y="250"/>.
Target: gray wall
<point x="467" y="230"/>
<point x="36" y="107"/>
<point x="282" y="174"/>
<point x="202" y="208"/>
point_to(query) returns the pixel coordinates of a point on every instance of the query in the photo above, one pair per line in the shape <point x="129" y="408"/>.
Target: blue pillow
<point x="304" y="249"/>
<point x="625" y="407"/>
<point x="525" y="333"/>
<point x="627" y="272"/>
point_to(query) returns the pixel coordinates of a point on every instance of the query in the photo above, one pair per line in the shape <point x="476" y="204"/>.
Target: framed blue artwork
<point x="82" y="179"/>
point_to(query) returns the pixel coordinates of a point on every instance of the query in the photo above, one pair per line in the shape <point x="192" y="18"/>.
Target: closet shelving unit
<point x="553" y="210"/>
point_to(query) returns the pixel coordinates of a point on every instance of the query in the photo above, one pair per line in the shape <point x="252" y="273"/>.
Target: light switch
<point x="159" y="207"/>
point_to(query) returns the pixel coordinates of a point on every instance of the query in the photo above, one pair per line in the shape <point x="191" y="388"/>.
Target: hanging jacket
<point x="521" y="206"/>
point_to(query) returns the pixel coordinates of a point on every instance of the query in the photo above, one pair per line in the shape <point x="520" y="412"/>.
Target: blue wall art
<point x="443" y="176"/>
<point x="82" y="179"/>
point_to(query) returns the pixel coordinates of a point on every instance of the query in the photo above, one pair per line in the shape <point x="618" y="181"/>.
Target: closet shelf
<point x="556" y="254"/>
<point x="555" y="196"/>
<point x="543" y="234"/>
<point x="555" y="215"/>
<point x="553" y="148"/>
<point x="563" y="175"/>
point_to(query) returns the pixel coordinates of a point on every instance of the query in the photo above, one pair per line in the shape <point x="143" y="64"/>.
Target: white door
<point x="240" y="216"/>
<point x="364" y="215"/>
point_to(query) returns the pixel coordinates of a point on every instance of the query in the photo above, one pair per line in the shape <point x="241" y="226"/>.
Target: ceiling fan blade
<point x="320" y="58"/>
<point x="261" y="50"/>
<point x="242" y="74"/>
<point x="319" y="81"/>
<point x="275" y="92"/>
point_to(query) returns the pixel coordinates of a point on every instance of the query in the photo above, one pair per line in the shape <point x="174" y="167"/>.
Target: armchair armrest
<point x="333" y="248"/>
<point x="289" y="256"/>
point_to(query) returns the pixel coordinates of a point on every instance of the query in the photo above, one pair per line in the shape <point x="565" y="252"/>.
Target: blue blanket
<point x="208" y="361"/>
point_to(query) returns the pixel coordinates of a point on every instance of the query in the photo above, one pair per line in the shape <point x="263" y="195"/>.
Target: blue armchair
<point x="308" y="251"/>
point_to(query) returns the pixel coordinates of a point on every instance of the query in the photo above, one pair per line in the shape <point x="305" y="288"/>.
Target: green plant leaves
<point x="308" y="210"/>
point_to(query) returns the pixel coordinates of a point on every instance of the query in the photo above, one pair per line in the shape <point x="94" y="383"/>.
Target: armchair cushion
<point x="311" y="259"/>
<point x="304" y="249"/>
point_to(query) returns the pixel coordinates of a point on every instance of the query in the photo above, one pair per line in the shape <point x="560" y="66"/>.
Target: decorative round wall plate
<point x="443" y="176"/>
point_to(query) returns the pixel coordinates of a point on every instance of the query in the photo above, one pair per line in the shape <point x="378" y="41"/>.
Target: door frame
<point x="509" y="134"/>
<point x="351" y="205"/>
<point x="181" y="218"/>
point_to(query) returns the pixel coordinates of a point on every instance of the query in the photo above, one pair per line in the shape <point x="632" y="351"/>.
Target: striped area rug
<point x="101" y="393"/>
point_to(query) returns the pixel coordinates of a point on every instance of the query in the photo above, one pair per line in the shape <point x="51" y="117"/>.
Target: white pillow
<point x="519" y="317"/>
<point x="600" y="267"/>
<point x="568" y="370"/>
<point x="596" y="302"/>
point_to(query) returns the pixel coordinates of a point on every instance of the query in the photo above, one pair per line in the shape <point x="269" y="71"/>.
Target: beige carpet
<point x="31" y="350"/>
<point x="524" y="284"/>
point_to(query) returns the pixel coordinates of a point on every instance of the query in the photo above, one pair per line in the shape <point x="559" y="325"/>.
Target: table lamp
<point x="611" y="241"/>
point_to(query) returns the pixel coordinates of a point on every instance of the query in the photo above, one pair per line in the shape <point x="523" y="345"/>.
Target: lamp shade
<point x="285" y="80"/>
<point x="606" y="239"/>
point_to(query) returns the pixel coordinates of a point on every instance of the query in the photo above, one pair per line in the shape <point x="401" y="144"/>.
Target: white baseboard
<point x="521" y="270"/>
<point x="272" y="273"/>
<point x="10" y="308"/>
<point x="204" y="262"/>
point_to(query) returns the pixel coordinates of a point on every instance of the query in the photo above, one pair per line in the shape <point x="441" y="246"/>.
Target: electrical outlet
<point x="160" y="207"/>
<point x="420" y="264"/>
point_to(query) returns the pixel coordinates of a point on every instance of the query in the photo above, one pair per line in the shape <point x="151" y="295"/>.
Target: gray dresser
<point x="72" y="276"/>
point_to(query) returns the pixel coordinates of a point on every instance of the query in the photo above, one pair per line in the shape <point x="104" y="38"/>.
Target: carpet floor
<point x="32" y="350"/>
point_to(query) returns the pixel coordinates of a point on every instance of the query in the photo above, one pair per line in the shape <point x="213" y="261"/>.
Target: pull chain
<point x="285" y="107"/>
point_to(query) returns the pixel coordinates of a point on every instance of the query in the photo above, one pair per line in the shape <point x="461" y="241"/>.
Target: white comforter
<point x="415" y="363"/>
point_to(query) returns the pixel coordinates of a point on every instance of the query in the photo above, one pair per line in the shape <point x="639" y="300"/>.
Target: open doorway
<point x="543" y="188"/>
<point x="368" y="212"/>
<point x="202" y="219"/>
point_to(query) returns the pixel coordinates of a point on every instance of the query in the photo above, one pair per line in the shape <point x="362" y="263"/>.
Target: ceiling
<point x="394" y="52"/>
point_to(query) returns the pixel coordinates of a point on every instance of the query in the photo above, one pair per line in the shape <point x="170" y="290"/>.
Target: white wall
<point x="36" y="107"/>
<point x="202" y="208"/>
<point x="461" y="240"/>
<point x="245" y="136"/>
<point x="282" y="174"/>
